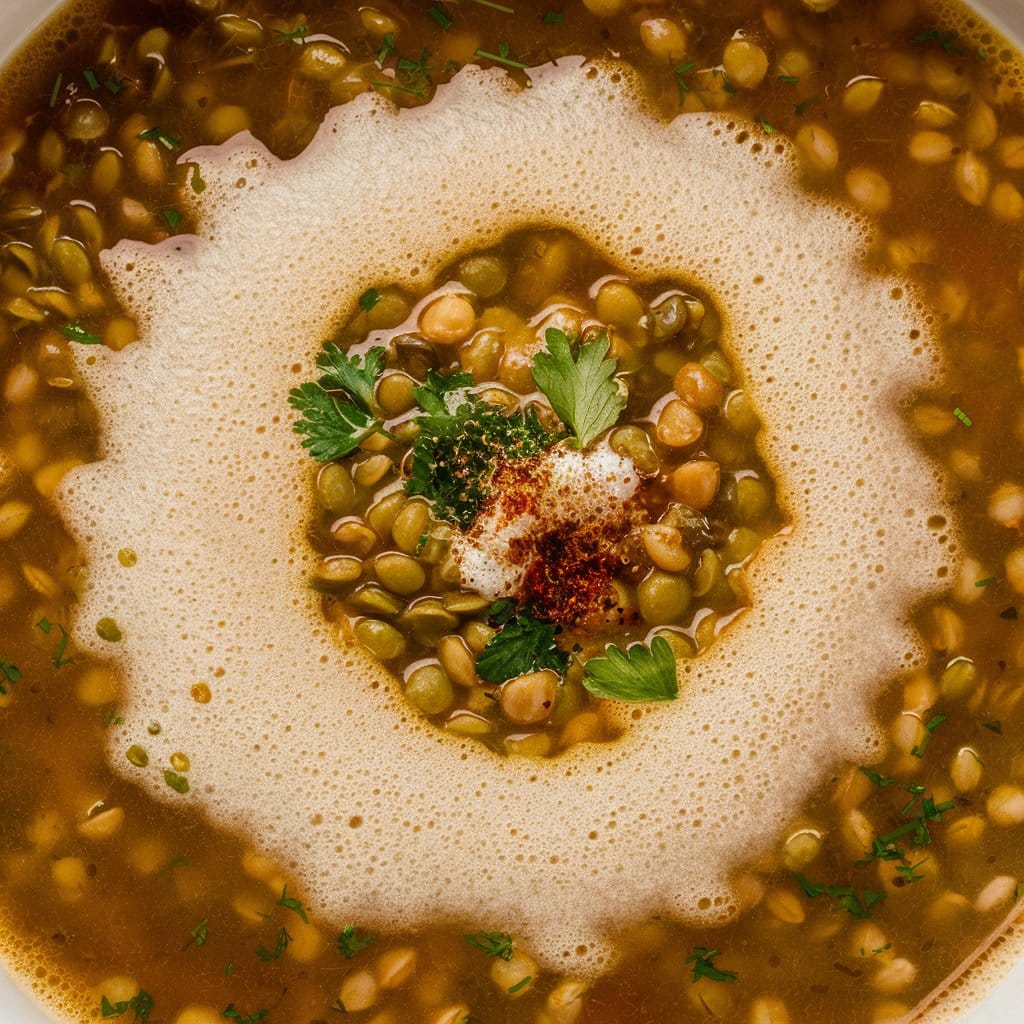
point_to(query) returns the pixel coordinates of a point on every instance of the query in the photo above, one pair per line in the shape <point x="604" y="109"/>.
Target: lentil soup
<point x="855" y="902"/>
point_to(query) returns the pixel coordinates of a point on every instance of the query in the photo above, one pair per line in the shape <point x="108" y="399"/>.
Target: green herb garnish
<point x="441" y="17"/>
<point x="177" y="782"/>
<point x="963" y="417"/>
<point x="909" y="873"/>
<point x="789" y="79"/>
<point x="640" y="673"/>
<point x="523" y="644"/>
<point x="200" y="934"/>
<point x="55" y="91"/>
<point x="680" y="74"/>
<point x="704" y="967"/>
<point x="349" y="943"/>
<point x="294" y="905"/>
<point x="987" y="582"/>
<point x="173" y="219"/>
<point x="553" y="17"/>
<point x="78" y="334"/>
<point x="519" y="985"/>
<point x="232" y="1014"/>
<point x="497" y="944"/>
<point x="502" y="58"/>
<point x="159" y="135"/>
<point x="297" y="35"/>
<point x="369" y="299"/>
<point x="881" y="781"/>
<point x="387" y="47"/>
<point x="269" y="955"/>
<point x="9" y="673"/>
<point x="844" y="895"/>
<point x="804" y="105"/>
<point x="461" y="441"/>
<point x="141" y="1006"/>
<point x="582" y="389"/>
<point x="90" y="77"/>
<point x="335" y="425"/>
<point x="919" y="748"/>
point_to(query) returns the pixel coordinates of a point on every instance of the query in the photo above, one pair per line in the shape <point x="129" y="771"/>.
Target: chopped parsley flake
<point x="387" y="47"/>
<point x="844" y="895"/>
<point x="789" y="79"/>
<point x="200" y="934"/>
<point x="269" y="955"/>
<point x="494" y="944"/>
<point x="9" y="673"/>
<point x="231" y="1013"/>
<point x="554" y="18"/>
<point x="881" y="781"/>
<point x="804" y="105"/>
<point x="987" y="582"/>
<point x="349" y="943"/>
<point x="159" y="135"/>
<point x="441" y="17"/>
<point x="177" y="782"/>
<point x="78" y="334"/>
<point x="294" y="905"/>
<point x="963" y="417"/>
<point x="704" y="966"/>
<point x="502" y="57"/>
<point x="141" y="1006"/>
<point x="519" y="985"/>
<point x="297" y="35"/>
<point x="173" y="219"/>
<point x="90" y="77"/>
<point x="919" y="748"/>
<point x="369" y="299"/>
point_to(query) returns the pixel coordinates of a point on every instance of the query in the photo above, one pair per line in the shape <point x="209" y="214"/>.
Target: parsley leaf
<point x="844" y="895"/>
<point x="77" y="333"/>
<point x="581" y="390"/>
<point x="349" y="943"/>
<point x="177" y="782"/>
<point x="332" y="426"/>
<point x="335" y="425"/>
<point x="497" y="944"/>
<point x="704" y="967"/>
<point x="141" y="1006"/>
<point x="524" y="644"/>
<point x="641" y="673"/>
<point x="355" y="375"/>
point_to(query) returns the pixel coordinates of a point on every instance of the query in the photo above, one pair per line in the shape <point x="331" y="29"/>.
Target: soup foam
<point x="307" y="744"/>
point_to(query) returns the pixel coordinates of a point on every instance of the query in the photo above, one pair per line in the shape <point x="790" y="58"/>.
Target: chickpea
<point x="679" y="425"/>
<point x="695" y="483"/>
<point x="663" y="38"/>
<point x="868" y="189"/>
<point x="697" y="386"/>
<point x="664" y="547"/>
<point x="448" y="320"/>
<point x="529" y="699"/>
<point x="818" y="147"/>
<point x="745" y="63"/>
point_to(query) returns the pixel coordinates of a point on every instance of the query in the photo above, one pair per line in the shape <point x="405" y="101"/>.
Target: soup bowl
<point x="18" y="19"/>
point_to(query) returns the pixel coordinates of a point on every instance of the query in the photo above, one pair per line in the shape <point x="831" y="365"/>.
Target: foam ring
<point x="306" y="739"/>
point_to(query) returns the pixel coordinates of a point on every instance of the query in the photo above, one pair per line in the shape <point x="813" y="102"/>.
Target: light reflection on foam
<point x="204" y="478"/>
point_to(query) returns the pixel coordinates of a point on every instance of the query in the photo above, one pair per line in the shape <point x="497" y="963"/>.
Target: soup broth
<point x="896" y="871"/>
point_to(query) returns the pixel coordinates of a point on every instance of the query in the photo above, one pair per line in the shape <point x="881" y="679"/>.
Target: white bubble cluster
<point x="307" y="745"/>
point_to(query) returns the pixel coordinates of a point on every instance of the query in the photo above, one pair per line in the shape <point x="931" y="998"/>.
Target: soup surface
<point x="897" y="868"/>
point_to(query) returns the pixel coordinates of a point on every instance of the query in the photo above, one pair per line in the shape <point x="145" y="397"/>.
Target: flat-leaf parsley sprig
<point x="340" y="411"/>
<point x="582" y="389"/>
<point x="638" y="674"/>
